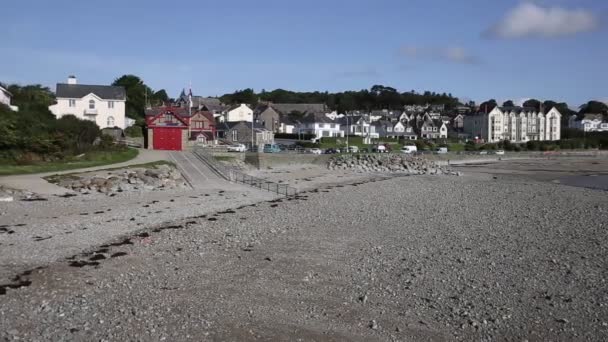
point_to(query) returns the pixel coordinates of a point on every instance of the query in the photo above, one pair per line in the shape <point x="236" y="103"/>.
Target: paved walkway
<point x="196" y="172"/>
<point x="35" y="183"/>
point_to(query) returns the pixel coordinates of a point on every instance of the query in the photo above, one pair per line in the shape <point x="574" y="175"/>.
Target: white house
<point x="589" y="123"/>
<point x="238" y="113"/>
<point x="5" y="98"/>
<point x="105" y="105"/>
<point x="319" y="125"/>
<point x="515" y="124"/>
<point x="359" y="126"/>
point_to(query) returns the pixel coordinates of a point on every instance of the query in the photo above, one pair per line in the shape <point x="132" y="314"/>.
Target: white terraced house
<point x="105" y="105"/>
<point x="515" y="124"/>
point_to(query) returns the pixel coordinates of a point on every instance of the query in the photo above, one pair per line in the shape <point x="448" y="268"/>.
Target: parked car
<point x="316" y="151"/>
<point x="380" y="149"/>
<point x="237" y="148"/>
<point x="500" y="152"/>
<point x="441" y="150"/>
<point x="332" y="151"/>
<point x="271" y="148"/>
<point x="408" y="149"/>
<point x="483" y="152"/>
<point x="353" y="149"/>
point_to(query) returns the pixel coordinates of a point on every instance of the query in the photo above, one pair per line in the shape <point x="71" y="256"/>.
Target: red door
<point x="168" y="138"/>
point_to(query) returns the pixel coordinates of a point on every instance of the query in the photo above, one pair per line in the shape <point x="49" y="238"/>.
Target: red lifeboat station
<point x="171" y="128"/>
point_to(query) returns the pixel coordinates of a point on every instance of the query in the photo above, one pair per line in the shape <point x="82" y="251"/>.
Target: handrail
<point x="233" y="175"/>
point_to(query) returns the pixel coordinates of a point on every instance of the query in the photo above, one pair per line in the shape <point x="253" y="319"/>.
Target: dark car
<point x="331" y="151"/>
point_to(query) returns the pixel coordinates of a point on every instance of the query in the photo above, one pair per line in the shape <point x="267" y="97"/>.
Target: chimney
<point x="72" y="79"/>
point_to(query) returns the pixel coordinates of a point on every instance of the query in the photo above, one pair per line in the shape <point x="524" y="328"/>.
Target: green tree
<point x="487" y="106"/>
<point x="508" y="103"/>
<point x="31" y="96"/>
<point x="137" y="91"/>
<point x="594" y="107"/>
<point x="532" y="103"/>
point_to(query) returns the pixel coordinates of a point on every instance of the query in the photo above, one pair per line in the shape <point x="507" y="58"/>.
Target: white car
<point x="237" y="148"/>
<point x="500" y="152"/>
<point x="316" y="151"/>
<point x="409" y="149"/>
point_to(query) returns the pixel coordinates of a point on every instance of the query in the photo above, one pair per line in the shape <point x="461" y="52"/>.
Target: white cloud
<point x="453" y="54"/>
<point x="531" y="20"/>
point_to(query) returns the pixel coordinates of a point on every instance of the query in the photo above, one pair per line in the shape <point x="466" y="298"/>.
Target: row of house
<point x="515" y="124"/>
<point x="208" y="120"/>
<point x="589" y="122"/>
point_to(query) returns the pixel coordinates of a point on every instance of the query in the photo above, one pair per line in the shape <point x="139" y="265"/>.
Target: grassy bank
<point x="90" y="159"/>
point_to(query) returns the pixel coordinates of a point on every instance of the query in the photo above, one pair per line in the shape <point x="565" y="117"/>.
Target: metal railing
<point x="233" y="175"/>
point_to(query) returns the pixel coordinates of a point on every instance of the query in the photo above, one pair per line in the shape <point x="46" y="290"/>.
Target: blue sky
<point x="474" y="49"/>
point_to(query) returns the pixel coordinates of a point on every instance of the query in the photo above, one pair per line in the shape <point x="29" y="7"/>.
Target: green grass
<point x="90" y="159"/>
<point x="224" y="158"/>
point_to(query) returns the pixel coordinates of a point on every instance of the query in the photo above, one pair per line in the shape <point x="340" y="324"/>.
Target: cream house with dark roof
<point x="105" y="105"/>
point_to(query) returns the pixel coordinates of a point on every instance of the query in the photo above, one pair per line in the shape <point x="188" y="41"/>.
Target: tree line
<point x="377" y="97"/>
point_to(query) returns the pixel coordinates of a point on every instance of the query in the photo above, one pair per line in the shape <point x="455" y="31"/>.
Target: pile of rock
<point x="159" y="178"/>
<point x="9" y="195"/>
<point x="388" y="163"/>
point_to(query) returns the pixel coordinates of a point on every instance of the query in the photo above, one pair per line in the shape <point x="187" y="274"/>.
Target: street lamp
<point x="347" y="131"/>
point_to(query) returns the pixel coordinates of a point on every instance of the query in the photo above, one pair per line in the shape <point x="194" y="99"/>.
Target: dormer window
<point x="91" y="104"/>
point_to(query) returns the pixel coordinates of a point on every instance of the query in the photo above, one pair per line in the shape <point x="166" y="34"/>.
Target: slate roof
<point x="317" y="118"/>
<point x="256" y="126"/>
<point x="286" y="108"/>
<point x="77" y="91"/>
<point x="181" y="111"/>
<point x="592" y="117"/>
<point x="3" y="89"/>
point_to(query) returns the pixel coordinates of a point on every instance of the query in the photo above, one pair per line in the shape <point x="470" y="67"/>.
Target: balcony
<point x="90" y="111"/>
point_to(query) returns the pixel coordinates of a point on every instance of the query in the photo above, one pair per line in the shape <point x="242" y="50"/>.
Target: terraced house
<point x="515" y="124"/>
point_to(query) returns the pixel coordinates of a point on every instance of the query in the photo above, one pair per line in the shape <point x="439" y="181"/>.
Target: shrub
<point x="134" y="131"/>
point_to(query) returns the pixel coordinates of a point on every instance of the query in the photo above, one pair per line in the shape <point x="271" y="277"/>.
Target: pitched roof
<point x="65" y="90"/>
<point x="590" y="116"/>
<point x="256" y="126"/>
<point x="286" y="108"/>
<point x="4" y="90"/>
<point x="181" y="111"/>
<point x="317" y="117"/>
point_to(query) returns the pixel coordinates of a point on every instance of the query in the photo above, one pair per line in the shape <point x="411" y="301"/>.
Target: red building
<point x="170" y="128"/>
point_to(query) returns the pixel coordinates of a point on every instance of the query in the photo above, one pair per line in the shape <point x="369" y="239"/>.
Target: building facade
<point x="515" y="124"/>
<point x="5" y="98"/>
<point x="104" y="105"/>
<point x="320" y="126"/>
<point x="238" y="113"/>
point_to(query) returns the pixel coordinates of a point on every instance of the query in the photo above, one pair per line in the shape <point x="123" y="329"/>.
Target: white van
<point x="409" y="149"/>
<point x="441" y="150"/>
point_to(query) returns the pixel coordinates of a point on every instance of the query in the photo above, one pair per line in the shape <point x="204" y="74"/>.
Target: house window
<point x="110" y="121"/>
<point x="110" y="104"/>
<point x="235" y="135"/>
<point x="91" y="104"/>
<point x="72" y="103"/>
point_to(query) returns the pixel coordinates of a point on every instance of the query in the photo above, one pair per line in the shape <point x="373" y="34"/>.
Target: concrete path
<point x="196" y="172"/>
<point x="35" y="183"/>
